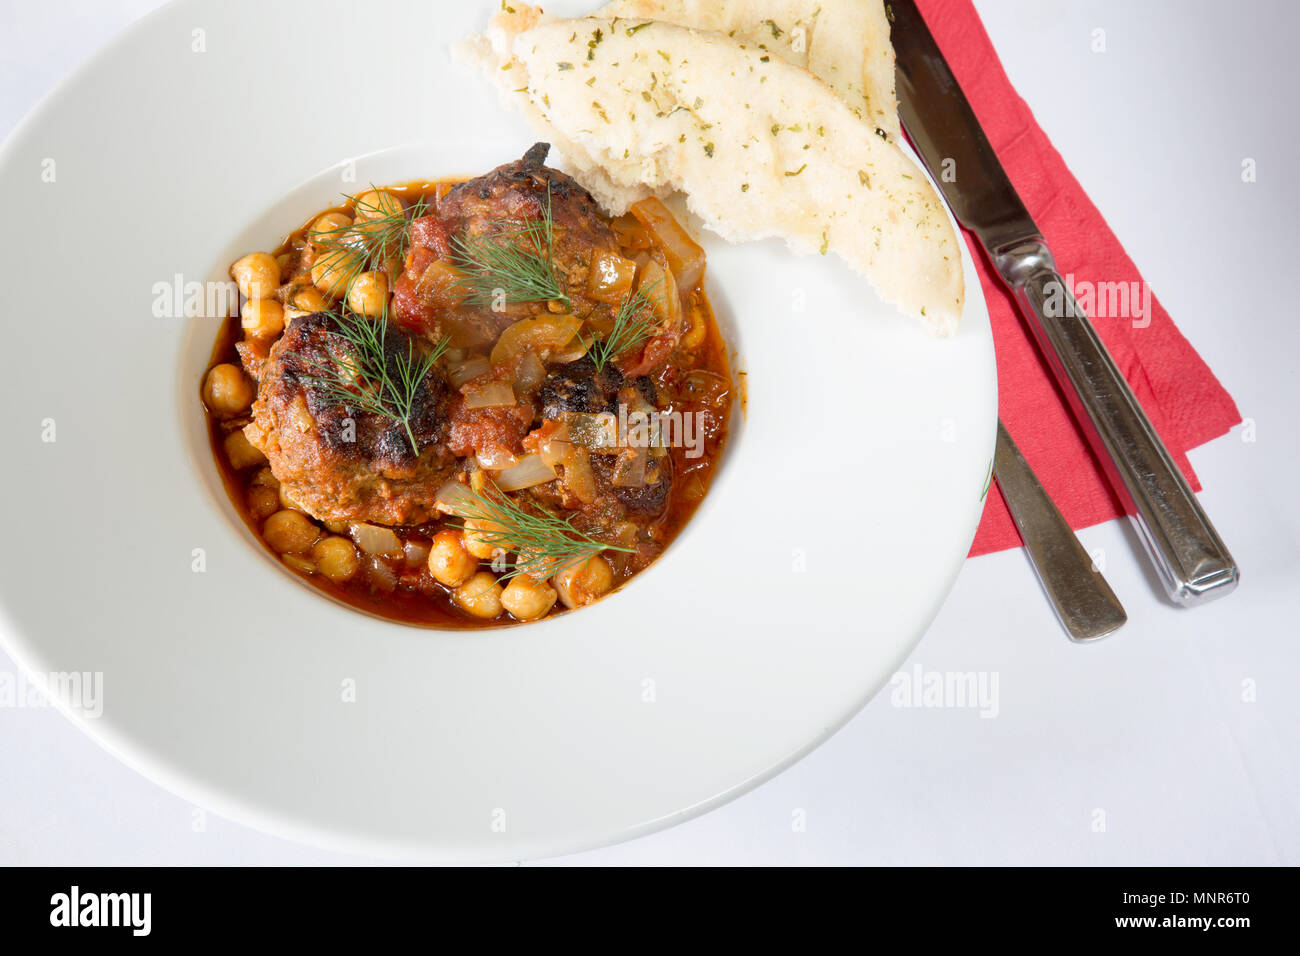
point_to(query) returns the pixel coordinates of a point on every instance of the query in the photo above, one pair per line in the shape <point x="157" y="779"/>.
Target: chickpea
<point x="264" y="476"/>
<point x="368" y="294"/>
<point x="262" y="318"/>
<point x="304" y="302"/>
<point x="262" y="501"/>
<point x="289" y="532"/>
<point x="581" y="584"/>
<point x="449" y="562"/>
<point x="377" y="204"/>
<point x="257" y="275"/>
<point x="242" y="453"/>
<point x="330" y="273"/>
<point x="484" y="545"/>
<point x="331" y="223"/>
<point x="527" y="598"/>
<point x="336" y="557"/>
<point x="227" y="390"/>
<point x="479" y="596"/>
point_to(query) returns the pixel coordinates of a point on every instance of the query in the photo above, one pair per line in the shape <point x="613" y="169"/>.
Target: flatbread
<point x="759" y="146"/>
<point x="844" y="42"/>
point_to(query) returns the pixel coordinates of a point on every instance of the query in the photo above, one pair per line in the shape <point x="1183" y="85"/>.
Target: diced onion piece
<point x="598" y="432"/>
<point x="451" y="496"/>
<point x="578" y="476"/>
<point x="576" y="349"/>
<point x="659" y="291"/>
<point x="530" y="471"/>
<point x="441" y="285"/>
<point x="417" y="554"/>
<point x="381" y="576"/>
<point x="630" y="233"/>
<point x="543" y="335"/>
<point x="629" y="468"/>
<point x="468" y="370"/>
<point x="530" y="373"/>
<point x="491" y="395"/>
<point x="496" y="458"/>
<point x="372" y="539"/>
<point x="554" y="449"/>
<point x="555" y="452"/>
<point x="609" y="279"/>
<point x="685" y="257"/>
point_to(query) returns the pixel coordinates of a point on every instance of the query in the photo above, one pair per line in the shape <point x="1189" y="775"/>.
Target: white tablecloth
<point x="1176" y="741"/>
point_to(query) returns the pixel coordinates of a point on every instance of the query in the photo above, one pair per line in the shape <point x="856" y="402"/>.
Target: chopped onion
<point x="542" y="334"/>
<point x="468" y="370"/>
<point x="451" y="496"/>
<point x="530" y="373"/>
<point x="629" y="468"/>
<point x="598" y="432"/>
<point x="629" y="232"/>
<point x="441" y="285"/>
<point x="416" y="553"/>
<point x="491" y="395"/>
<point x="530" y="471"/>
<point x="381" y="576"/>
<point x="685" y="257"/>
<point x="496" y="458"/>
<point x="574" y="350"/>
<point x="372" y="539"/>
<point x="663" y="294"/>
<point x="609" y="279"/>
<point x="578" y="476"/>
<point x="554" y="449"/>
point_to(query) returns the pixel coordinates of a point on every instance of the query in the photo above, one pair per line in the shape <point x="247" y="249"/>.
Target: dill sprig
<point x="369" y="376"/>
<point x="371" y="244"/>
<point x="514" y="259"/>
<point x="544" y="544"/>
<point x="634" y="324"/>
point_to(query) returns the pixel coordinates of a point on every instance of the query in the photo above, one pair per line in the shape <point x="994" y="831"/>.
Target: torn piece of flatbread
<point x="844" y="42"/>
<point x="760" y="147"/>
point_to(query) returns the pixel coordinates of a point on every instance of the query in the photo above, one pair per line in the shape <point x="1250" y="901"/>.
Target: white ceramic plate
<point x="841" y="515"/>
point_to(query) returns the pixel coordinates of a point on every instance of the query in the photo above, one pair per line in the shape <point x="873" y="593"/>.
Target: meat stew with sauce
<point x="470" y="403"/>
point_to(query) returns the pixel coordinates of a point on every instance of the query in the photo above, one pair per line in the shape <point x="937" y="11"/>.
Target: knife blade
<point x="1193" y="562"/>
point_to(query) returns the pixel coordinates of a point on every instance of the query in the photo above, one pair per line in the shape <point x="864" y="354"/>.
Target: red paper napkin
<point x="1180" y="394"/>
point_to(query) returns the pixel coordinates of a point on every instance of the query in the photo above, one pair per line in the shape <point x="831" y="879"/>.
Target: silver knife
<point x="1080" y="596"/>
<point x="1193" y="562"/>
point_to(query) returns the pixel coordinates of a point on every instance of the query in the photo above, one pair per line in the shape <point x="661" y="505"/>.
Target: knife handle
<point x="1193" y="562"/>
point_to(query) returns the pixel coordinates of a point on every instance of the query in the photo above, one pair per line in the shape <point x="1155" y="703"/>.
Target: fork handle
<point x="1193" y="562"/>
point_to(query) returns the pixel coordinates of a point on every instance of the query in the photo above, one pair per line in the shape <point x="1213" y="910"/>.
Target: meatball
<point x="581" y="387"/>
<point x="514" y="193"/>
<point x="335" y="459"/>
<point x="517" y="192"/>
<point x="648" y="499"/>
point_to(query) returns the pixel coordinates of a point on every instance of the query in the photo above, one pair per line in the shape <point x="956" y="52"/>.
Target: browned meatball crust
<point x="514" y="193"/>
<point x="336" y="460"/>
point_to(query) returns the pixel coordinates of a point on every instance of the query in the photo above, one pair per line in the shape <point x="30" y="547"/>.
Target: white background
<point x="1176" y="741"/>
